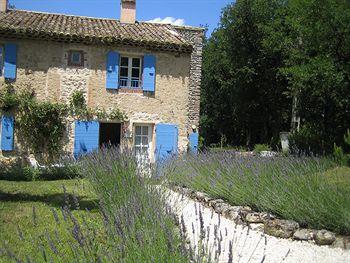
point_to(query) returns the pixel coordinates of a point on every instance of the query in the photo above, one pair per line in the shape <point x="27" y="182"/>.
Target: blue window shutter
<point x="86" y="137"/>
<point x="149" y="73"/>
<point x="112" y="78"/>
<point x="7" y="129"/>
<point x="194" y="138"/>
<point x="166" y="141"/>
<point x="10" y="65"/>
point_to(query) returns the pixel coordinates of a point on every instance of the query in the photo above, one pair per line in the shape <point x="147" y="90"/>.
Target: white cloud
<point x="169" y="20"/>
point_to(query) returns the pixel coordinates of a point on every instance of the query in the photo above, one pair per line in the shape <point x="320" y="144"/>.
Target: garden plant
<point x="312" y="191"/>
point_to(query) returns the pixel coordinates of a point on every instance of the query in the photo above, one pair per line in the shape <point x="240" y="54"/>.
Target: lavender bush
<point x="134" y="223"/>
<point x="291" y="187"/>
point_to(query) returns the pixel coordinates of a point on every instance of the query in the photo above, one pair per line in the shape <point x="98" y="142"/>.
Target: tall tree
<point x="243" y="96"/>
<point x="266" y="53"/>
<point x="316" y="47"/>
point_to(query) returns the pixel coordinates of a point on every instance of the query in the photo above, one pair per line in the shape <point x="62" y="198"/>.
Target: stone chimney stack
<point x="3" y="5"/>
<point x="127" y="11"/>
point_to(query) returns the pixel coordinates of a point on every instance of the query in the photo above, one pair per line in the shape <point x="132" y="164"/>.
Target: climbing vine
<point x="41" y="125"/>
<point x="80" y="110"/>
<point x="8" y="98"/>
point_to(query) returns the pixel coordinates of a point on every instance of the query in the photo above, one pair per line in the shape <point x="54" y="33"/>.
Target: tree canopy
<point x="270" y="57"/>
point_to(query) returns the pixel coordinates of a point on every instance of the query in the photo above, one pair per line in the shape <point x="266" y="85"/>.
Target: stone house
<point x="151" y="72"/>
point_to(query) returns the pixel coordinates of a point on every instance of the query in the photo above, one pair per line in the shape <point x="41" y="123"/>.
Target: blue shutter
<point x="86" y="137"/>
<point x="10" y="65"/>
<point x="112" y="78"/>
<point x="1" y="60"/>
<point x="194" y="138"/>
<point x="166" y="141"/>
<point x="7" y="125"/>
<point x="149" y="73"/>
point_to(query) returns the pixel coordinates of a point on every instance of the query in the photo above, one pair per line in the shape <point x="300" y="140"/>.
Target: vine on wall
<point x="81" y="111"/>
<point x="40" y="125"/>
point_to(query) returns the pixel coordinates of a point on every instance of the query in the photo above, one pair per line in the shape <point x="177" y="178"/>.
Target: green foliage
<point x="19" y="171"/>
<point x="339" y="155"/>
<point x="242" y="96"/>
<point x="80" y="110"/>
<point x="347" y="137"/>
<point x="133" y="224"/>
<point x="310" y="191"/>
<point x="264" y="54"/>
<point x="8" y="98"/>
<point x="41" y="125"/>
<point x="78" y="103"/>
<point x="306" y="141"/>
<point x="258" y="148"/>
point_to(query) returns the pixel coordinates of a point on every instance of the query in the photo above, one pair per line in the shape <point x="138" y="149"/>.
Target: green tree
<point x="316" y="47"/>
<point x="242" y="94"/>
<point x="266" y="54"/>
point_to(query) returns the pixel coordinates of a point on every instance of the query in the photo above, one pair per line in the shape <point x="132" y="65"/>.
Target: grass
<point x="127" y="220"/>
<point x="310" y="191"/>
<point x="17" y="200"/>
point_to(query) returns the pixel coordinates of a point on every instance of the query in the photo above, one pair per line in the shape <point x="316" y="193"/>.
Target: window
<point x="143" y="137"/>
<point x="1" y="60"/>
<point x="130" y="72"/>
<point x="76" y="58"/>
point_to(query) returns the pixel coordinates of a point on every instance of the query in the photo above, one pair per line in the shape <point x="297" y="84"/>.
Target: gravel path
<point x="247" y="245"/>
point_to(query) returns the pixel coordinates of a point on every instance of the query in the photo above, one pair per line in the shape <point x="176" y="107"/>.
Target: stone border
<point x="266" y="222"/>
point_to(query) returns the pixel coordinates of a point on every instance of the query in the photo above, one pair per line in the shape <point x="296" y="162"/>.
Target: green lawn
<point x="17" y="200"/>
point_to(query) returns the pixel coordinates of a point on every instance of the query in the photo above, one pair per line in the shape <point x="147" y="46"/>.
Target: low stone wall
<point x="266" y="222"/>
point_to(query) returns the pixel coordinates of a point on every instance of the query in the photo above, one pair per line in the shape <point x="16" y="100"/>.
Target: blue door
<point x="7" y="125"/>
<point x="166" y="141"/>
<point x="86" y="137"/>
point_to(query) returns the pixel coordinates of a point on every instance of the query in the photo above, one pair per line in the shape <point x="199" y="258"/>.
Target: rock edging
<point x="266" y="222"/>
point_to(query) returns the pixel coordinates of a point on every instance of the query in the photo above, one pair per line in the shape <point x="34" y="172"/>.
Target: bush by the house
<point x="22" y="171"/>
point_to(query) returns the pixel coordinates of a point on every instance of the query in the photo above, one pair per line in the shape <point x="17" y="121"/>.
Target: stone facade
<point x="43" y="67"/>
<point x="195" y="37"/>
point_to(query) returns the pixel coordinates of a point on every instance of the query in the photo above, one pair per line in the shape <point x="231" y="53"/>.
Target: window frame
<point x="149" y="138"/>
<point x="130" y="68"/>
<point x="70" y="58"/>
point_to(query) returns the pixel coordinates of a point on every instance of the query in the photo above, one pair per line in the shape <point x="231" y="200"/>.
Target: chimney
<point x="127" y="11"/>
<point x="3" y="5"/>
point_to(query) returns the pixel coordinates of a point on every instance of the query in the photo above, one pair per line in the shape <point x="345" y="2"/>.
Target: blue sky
<point x="193" y="12"/>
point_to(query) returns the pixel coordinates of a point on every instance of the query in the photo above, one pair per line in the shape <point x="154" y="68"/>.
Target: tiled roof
<point x="76" y="29"/>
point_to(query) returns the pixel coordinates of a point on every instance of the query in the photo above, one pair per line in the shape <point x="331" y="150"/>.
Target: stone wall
<point x="43" y="67"/>
<point x="195" y="37"/>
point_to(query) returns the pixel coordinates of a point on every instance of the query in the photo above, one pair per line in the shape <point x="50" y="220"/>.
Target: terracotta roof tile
<point x="76" y="29"/>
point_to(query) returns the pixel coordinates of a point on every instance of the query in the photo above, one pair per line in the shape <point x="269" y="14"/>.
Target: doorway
<point x="110" y="134"/>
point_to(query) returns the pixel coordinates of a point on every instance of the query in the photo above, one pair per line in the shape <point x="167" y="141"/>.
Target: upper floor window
<point x="130" y="72"/>
<point x="1" y="60"/>
<point x="76" y="58"/>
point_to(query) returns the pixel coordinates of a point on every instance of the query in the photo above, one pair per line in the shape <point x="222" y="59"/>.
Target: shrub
<point x="340" y="157"/>
<point x="20" y="171"/>
<point x="41" y="125"/>
<point x="306" y="142"/>
<point x="258" y="148"/>
<point x="290" y="187"/>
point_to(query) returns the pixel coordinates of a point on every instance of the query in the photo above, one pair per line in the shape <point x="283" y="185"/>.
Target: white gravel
<point x="247" y="245"/>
